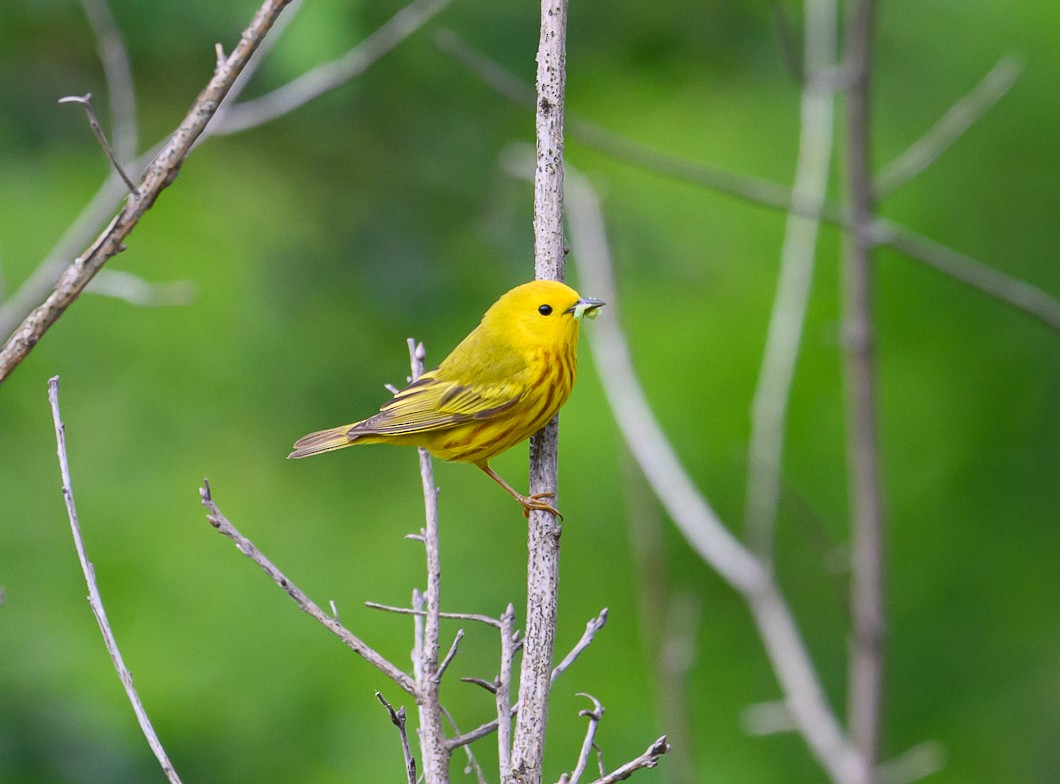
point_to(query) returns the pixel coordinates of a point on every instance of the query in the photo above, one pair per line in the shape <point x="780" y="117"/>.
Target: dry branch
<point x="95" y="601"/>
<point x="428" y="670"/>
<point x="542" y="584"/>
<point x="397" y="718"/>
<point x="307" y="605"/>
<point x="160" y="173"/>
<point x="649" y="759"/>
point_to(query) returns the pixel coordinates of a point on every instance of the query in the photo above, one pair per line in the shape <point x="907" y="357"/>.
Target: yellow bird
<point x="501" y="385"/>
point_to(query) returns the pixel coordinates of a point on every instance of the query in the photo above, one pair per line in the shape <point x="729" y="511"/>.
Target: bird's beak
<point x="586" y="306"/>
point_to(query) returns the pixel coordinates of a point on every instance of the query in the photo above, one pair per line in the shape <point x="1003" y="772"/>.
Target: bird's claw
<point x="533" y="502"/>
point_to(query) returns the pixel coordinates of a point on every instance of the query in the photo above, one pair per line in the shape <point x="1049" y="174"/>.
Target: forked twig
<point x="591" y="628"/>
<point x="93" y="123"/>
<point x="649" y="759"/>
<point x="589" y="743"/>
<point x="398" y="719"/>
<point x="491" y="726"/>
<point x="95" y="601"/>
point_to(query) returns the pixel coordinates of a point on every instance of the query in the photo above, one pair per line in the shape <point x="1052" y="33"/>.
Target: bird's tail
<point x="324" y="441"/>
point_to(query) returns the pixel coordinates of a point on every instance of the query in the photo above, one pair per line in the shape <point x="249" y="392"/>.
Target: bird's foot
<point x="534" y="502"/>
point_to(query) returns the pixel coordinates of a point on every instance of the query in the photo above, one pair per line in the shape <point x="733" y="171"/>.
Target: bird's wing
<point x="431" y="403"/>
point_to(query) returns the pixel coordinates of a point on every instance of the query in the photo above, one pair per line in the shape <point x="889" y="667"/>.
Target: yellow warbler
<point x="501" y="385"/>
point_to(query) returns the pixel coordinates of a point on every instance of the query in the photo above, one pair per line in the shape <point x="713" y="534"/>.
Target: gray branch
<point x="95" y="601"/>
<point x="305" y="604"/>
<point x="542" y="582"/>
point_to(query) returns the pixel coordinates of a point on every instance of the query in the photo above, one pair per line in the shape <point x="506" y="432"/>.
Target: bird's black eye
<point x="545" y="310"/>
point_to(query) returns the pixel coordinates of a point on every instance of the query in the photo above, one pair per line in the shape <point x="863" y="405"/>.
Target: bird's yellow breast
<point x="550" y="380"/>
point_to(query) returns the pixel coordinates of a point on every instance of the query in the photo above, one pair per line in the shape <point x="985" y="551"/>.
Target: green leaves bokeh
<point x="318" y="243"/>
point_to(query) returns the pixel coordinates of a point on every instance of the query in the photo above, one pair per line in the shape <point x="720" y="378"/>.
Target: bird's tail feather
<point x="323" y="441"/>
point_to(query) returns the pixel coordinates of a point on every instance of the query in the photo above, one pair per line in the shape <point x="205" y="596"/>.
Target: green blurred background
<point x="318" y="243"/>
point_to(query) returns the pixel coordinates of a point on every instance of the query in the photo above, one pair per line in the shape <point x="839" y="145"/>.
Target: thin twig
<point x="649" y="759"/>
<point x="482" y="683"/>
<point x="491" y="726"/>
<point x="961" y="116"/>
<point x="594" y="717"/>
<point x="305" y="604"/>
<point x="592" y="626"/>
<point x="121" y="90"/>
<point x="543" y="536"/>
<point x="324" y="78"/>
<point x="161" y="172"/>
<point x="1014" y="292"/>
<point x="429" y="674"/>
<point x="769" y="407"/>
<point x="93" y="123"/>
<point x="398" y="719"/>
<point x="452" y="653"/>
<point x="95" y="601"/>
<point x="472" y="763"/>
<point x="447" y="615"/>
<point x="503" y="695"/>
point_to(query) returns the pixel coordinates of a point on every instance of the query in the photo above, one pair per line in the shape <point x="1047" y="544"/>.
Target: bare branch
<point x="448" y="615"/>
<point x="542" y="570"/>
<point x="93" y="123"/>
<point x="591" y="628"/>
<point x="121" y="90"/>
<point x="769" y="408"/>
<point x="649" y="759"/>
<point x="95" y="601"/>
<point x="452" y="652"/>
<point x="161" y="172"/>
<point x="1017" y="293"/>
<point x="594" y="717"/>
<point x="398" y="719"/>
<point x="482" y="683"/>
<point x="429" y="673"/>
<point x="307" y="605"/>
<point x="951" y="126"/>
<point x="327" y="77"/>
<point x="865" y="682"/>
<point x="1012" y="291"/>
<point x="503" y="694"/>
<point x="491" y="726"/>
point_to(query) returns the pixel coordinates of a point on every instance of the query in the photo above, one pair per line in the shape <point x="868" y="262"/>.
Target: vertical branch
<point x="866" y="664"/>
<point x="544" y="531"/>
<point x="769" y="409"/>
<point x="503" y="695"/>
<point x="432" y="737"/>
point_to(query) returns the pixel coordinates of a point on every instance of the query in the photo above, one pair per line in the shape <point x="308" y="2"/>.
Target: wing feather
<point x="439" y="404"/>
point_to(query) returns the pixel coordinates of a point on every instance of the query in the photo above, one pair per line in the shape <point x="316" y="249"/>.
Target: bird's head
<point x="542" y="312"/>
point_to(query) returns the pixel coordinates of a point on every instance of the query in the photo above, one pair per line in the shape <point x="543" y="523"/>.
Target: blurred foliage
<point x="318" y="243"/>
